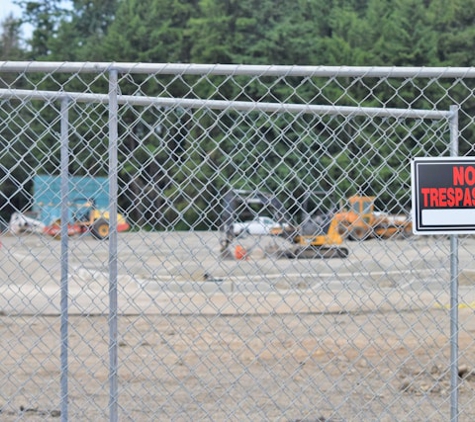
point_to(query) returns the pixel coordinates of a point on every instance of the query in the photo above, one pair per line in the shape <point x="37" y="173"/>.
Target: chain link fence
<point x="220" y="242"/>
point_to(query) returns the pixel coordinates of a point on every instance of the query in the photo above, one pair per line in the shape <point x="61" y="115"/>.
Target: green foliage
<point x="10" y="48"/>
<point x="176" y="161"/>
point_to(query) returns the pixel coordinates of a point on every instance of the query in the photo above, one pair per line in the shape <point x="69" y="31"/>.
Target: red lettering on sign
<point x="470" y="175"/>
<point x="458" y="175"/>
<point x="442" y="197"/>
<point x="463" y="175"/>
<point x="425" y="196"/>
<point x="467" y="198"/>
<point x="434" y="197"/>
<point x="458" y="196"/>
<point x="450" y="197"/>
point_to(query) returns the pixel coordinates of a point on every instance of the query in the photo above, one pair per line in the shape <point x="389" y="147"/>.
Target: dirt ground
<point x="360" y="339"/>
<point x="308" y="367"/>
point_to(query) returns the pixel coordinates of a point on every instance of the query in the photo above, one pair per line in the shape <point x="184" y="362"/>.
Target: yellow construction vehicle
<point x="360" y="221"/>
<point x="317" y="235"/>
<point x="85" y="217"/>
<point x="323" y="242"/>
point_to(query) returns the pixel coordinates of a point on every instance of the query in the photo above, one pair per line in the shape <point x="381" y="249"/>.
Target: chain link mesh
<point x="218" y="318"/>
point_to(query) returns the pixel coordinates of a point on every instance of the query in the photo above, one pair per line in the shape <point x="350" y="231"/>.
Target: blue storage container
<point x="47" y="195"/>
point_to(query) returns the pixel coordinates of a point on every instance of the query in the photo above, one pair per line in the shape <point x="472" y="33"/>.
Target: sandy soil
<point x="335" y="367"/>
<point x="361" y="339"/>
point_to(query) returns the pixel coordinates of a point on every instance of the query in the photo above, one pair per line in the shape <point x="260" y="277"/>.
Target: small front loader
<point x="360" y="221"/>
<point x="85" y="217"/>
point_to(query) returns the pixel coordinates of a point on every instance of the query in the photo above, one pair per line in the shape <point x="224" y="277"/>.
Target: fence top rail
<point x="235" y="69"/>
<point x="225" y="105"/>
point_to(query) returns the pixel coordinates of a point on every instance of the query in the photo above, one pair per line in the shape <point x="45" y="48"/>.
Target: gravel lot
<point x="205" y="338"/>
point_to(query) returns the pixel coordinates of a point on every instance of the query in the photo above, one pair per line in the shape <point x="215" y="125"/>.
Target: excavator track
<point x="314" y="252"/>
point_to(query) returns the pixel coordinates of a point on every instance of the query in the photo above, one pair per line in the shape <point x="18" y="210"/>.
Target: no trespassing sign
<point x="443" y="195"/>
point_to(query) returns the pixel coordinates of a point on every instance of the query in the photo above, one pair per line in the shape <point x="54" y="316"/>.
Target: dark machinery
<point x="316" y="236"/>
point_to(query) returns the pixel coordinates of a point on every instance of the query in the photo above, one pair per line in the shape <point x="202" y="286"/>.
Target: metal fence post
<point x="64" y="255"/>
<point x="113" y="345"/>
<point x="454" y="328"/>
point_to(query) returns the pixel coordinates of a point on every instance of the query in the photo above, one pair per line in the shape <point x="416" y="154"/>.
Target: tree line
<point x="176" y="167"/>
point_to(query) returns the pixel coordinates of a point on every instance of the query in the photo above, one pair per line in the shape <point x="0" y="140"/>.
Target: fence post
<point x="64" y="255"/>
<point x="454" y="286"/>
<point x="113" y="345"/>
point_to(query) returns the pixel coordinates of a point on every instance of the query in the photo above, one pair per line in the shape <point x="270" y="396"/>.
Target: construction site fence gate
<point x="129" y="293"/>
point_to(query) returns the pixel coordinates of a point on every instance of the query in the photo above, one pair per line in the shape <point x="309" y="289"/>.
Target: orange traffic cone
<point x="240" y="253"/>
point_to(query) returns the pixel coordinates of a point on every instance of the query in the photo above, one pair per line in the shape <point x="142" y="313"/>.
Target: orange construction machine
<point x="360" y="221"/>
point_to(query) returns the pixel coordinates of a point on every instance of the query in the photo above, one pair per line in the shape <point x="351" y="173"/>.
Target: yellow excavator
<point x="317" y="235"/>
<point x="324" y="243"/>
